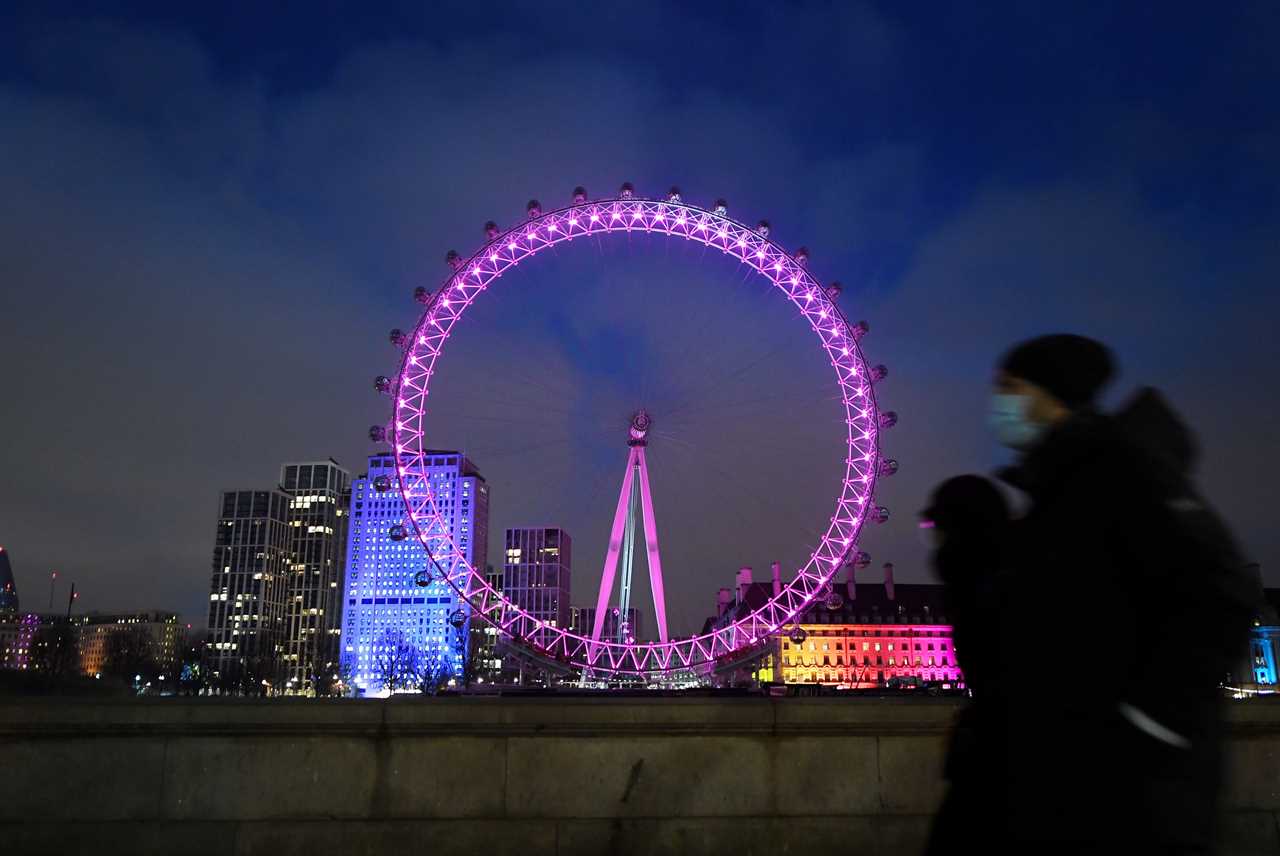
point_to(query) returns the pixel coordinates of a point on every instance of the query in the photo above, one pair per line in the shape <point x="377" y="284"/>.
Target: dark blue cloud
<point x="216" y="217"/>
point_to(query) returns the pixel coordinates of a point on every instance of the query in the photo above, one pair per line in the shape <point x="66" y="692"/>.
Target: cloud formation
<point x="206" y="253"/>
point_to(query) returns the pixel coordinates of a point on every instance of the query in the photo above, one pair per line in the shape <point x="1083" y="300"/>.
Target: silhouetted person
<point x="1126" y="603"/>
<point x="967" y="525"/>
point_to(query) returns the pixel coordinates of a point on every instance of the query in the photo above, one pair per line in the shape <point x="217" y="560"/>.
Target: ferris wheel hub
<point x="641" y="422"/>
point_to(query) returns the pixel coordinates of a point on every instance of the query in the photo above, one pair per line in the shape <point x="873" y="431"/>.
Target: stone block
<point x="119" y="838"/>
<point x="1253" y="773"/>
<point x="250" y="778"/>
<point x="638" y="777"/>
<point x="1249" y="833"/>
<point x="829" y="776"/>
<point x="910" y="772"/>
<point x="70" y="778"/>
<point x="498" y="837"/>
<point x="903" y="835"/>
<point x="439" y="777"/>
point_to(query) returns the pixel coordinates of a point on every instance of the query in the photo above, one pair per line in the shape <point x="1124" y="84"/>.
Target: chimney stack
<point x="776" y="568"/>
<point x="722" y="601"/>
<point x="744" y="582"/>
<point x="888" y="580"/>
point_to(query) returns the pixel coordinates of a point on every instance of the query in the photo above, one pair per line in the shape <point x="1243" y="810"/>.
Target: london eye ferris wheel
<point x="851" y="382"/>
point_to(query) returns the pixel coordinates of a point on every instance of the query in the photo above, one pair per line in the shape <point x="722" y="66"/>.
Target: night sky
<point x="211" y="219"/>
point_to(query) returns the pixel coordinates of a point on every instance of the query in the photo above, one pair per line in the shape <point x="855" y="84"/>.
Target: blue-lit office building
<point x="385" y="611"/>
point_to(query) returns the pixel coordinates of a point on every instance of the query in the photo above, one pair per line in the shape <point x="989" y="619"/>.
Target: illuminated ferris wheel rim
<point x="674" y="218"/>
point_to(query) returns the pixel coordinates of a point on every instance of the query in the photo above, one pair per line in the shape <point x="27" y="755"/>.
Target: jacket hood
<point x="1157" y="433"/>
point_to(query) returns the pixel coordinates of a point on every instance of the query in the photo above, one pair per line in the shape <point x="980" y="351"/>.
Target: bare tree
<point x="54" y="650"/>
<point x="397" y="663"/>
<point x="129" y="654"/>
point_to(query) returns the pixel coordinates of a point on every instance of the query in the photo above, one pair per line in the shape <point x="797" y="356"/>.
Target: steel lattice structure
<point x="672" y="217"/>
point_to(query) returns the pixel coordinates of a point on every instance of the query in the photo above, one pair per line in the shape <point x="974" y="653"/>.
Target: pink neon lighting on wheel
<point x="678" y="220"/>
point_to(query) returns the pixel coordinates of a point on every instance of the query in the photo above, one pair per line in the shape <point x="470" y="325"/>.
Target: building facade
<point x="537" y="571"/>
<point x="866" y="636"/>
<point x="17" y="639"/>
<point x="319" y="499"/>
<point x="8" y="586"/>
<point x="14" y="642"/>
<point x="159" y="634"/>
<point x="1259" y="670"/>
<point x="873" y="640"/>
<point x="248" y="587"/>
<point x="536" y="577"/>
<point x="485" y="657"/>
<point x="395" y="629"/>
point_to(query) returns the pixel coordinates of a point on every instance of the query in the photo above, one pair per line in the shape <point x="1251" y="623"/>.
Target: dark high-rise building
<point x="274" y="606"/>
<point x="249" y="584"/>
<point x="536" y="576"/>
<point x="8" y="587"/>
<point x="320" y="495"/>
<point x="484" y="657"/>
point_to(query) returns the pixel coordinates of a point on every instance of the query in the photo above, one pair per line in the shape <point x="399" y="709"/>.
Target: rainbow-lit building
<point x="879" y="635"/>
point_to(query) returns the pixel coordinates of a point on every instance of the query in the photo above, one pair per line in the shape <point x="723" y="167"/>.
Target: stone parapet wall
<point x="526" y="776"/>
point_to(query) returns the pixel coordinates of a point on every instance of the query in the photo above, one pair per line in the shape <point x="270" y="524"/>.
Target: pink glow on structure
<point x="734" y="239"/>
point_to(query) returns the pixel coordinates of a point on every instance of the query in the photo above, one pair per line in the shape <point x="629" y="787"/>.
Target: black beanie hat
<point x="1071" y="368"/>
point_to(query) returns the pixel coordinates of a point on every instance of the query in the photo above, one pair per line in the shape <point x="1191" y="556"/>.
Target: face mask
<point x="1008" y="419"/>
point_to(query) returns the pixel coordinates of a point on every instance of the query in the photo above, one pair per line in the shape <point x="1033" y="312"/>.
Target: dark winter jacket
<point x="1127" y="602"/>
<point x="972" y="520"/>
